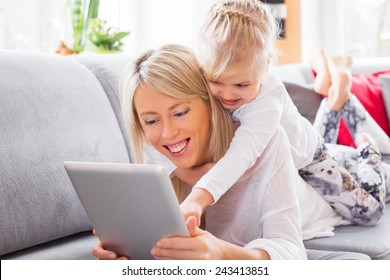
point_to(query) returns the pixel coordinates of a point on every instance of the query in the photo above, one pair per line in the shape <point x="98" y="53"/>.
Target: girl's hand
<point x="195" y="203"/>
<point x="201" y="245"/>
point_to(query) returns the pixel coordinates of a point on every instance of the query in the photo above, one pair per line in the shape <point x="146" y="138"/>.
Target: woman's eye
<point x="241" y="85"/>
<point x="181" y="114"/>
<point x="150" y="122"/>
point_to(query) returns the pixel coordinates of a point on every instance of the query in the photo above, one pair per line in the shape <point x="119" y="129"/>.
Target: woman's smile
<point x="179" y="148"/>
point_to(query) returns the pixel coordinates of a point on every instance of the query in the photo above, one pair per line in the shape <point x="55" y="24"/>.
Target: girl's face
<point x="237" y="89"/>
<point x="177" y="128"/>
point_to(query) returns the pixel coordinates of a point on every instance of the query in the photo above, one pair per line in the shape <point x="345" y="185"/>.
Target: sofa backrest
<point x="299" y="82"/>
<point x="52" y="109"/>
<point x="108" y="69"/>
<point x="296" y="73"/>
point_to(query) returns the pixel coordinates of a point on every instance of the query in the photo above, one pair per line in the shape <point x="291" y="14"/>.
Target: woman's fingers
<point x="184" y="248"/>
<point x="166" y="253"/>
<point x="192" y="226"/>
<point x="172" y="254"/>
<point x="102" y="254"/>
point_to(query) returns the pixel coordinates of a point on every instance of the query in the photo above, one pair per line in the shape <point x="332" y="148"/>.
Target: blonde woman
<point x="170" y="115"/>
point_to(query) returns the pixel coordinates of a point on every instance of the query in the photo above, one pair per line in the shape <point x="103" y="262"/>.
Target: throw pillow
<point x="366" y="87"/>
<point x="385" y="84"/>
<point x="305" y="98"/>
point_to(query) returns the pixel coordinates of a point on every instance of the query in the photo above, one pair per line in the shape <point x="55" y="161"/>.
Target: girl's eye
<point x="242" y="85"/>
<point x="181" y="114"/>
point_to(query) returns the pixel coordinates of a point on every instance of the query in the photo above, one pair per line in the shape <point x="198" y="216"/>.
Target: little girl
<point x="237" y="47"/>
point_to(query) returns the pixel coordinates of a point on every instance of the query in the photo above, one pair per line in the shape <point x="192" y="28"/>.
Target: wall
<point x="321" y="22"/>
<point x="290" y="47"/>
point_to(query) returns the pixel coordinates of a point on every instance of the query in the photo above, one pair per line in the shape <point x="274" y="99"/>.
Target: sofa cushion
<point x="372" y="241"/>
<point x="52" y="110"/>
<point x="74" y="247"/>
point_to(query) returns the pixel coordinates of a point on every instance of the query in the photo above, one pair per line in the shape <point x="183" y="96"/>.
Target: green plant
<point x="80" y="22"/>
<point x="103" y="37"/>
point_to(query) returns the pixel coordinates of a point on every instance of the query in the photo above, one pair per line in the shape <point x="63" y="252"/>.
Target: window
<point x="359" y="28"/>
<point x="367" y="28"/>
<point x="31" y="24"/>
<point x="40" y="25"/>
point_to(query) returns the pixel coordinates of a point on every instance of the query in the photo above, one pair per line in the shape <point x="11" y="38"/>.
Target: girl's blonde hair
<point x="234" y="32"/>
<point x="174" y="71"/>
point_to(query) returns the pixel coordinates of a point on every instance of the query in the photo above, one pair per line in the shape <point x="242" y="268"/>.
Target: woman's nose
<point x="169" y="130"/>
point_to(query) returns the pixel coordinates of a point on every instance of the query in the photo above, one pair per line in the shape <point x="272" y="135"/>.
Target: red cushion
<point x="366" y="87"/>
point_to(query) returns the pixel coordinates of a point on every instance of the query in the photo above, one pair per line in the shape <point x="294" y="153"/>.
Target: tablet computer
<point x="131" y="206"/>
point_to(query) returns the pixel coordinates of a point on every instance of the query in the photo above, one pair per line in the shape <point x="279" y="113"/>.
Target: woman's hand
<point x="102" y="254"/>
<point x="201" y="245"/>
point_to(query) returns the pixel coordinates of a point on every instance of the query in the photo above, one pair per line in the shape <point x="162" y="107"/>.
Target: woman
<point x="167" y="105"/>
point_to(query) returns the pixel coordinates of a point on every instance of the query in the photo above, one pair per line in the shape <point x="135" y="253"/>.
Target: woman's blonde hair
<point x="174" y="71"/>
<point x="234" y="32"/>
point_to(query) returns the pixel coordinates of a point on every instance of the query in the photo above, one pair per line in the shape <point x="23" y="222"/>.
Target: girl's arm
<point x="259" y="120"/>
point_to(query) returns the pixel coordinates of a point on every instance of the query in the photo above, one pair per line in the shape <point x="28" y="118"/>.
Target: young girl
<point x="236" y="51"/>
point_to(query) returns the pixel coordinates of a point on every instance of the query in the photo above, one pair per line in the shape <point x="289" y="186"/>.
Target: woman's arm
<point x="202" y="245"/>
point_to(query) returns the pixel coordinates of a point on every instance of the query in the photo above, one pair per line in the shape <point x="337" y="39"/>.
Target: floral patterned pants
<point x="352" y="181"/>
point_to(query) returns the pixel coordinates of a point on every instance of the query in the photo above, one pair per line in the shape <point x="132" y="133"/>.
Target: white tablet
<point x="131" y="206"/>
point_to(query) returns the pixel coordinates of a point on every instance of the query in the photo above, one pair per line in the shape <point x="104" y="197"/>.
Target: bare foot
<point x="340" y="89"/>
<point x="343" y="61"/>
<point x="319" y="64"/>
<point x="366" y="138"/>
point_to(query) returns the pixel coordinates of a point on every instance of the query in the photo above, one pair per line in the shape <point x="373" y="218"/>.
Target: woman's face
<point x="177" y="128"/>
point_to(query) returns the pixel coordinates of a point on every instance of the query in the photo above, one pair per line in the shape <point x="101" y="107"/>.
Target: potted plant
<point x="105" y="39"/>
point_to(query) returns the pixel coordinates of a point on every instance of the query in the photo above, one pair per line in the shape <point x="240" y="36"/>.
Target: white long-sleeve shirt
<point x="270" y="207"/>
<point x="259" y="120"/>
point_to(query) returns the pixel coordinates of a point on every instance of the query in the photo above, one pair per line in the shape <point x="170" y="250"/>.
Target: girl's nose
<point x="227" y="94"/>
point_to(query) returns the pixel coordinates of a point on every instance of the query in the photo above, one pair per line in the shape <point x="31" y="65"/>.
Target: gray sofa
<point x="54" y="109"/>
